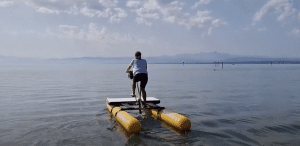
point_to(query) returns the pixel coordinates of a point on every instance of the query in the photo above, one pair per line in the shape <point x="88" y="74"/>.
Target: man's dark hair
<point x="138" y="53"/>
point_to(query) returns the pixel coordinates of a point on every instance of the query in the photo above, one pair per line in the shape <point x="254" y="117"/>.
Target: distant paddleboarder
<point x="140" y="73"/>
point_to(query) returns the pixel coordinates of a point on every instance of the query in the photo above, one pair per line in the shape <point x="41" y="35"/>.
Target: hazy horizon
<point x="200" y="58"/>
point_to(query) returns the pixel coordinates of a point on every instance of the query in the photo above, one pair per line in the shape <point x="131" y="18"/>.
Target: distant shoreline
<point x="94" y="63"/>
<point x="233" y="63"/>
<point x="199" y="58"/>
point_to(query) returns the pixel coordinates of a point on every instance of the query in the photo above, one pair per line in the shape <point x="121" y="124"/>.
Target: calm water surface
<point x="65" y="105"/>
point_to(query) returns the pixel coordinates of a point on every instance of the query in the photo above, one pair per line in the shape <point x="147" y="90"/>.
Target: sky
<point x="119" y="28"/>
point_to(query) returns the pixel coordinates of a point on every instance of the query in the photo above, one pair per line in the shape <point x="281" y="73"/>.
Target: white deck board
<point x="130" y="100"/>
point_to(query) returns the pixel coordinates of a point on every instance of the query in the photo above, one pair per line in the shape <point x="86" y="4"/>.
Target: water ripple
<point x="241" y="137"/>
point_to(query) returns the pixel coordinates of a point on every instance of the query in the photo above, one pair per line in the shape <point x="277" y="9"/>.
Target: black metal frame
<point x="130" y="106"/>
<point x="125" y="106"/>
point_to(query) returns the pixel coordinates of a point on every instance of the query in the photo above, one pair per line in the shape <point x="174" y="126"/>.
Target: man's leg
<point x="133" y="88"/>
<point x="143" y="86"/>
<point x="144" y="94"/>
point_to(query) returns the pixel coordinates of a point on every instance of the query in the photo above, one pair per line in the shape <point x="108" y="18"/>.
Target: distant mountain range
<point x="199" y="58"/>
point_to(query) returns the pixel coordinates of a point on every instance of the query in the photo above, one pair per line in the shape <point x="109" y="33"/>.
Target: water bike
<point x="118" y="107"/>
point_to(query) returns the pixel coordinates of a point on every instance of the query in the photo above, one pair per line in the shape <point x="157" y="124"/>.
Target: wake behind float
<point x="118" y="106"/>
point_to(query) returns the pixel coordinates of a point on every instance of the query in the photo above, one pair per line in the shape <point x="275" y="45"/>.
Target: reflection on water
<point x="65" y="105"/>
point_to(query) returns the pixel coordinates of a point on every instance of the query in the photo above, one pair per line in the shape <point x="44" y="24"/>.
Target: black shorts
<point x="143" y="77"/>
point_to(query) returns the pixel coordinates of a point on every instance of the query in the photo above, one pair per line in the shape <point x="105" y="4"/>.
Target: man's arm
<point x="128" y="68"/>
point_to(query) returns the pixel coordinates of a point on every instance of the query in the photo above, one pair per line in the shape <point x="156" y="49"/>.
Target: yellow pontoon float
<point x="118" y="106"/>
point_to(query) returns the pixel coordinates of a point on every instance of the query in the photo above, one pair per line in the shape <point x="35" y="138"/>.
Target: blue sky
<point x="115" y="28"/>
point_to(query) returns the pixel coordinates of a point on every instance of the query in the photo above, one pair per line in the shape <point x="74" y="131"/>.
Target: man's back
<point x="139" y="66"/>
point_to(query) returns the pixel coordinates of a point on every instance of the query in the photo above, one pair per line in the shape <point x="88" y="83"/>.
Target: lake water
<point x="65" y="105"/>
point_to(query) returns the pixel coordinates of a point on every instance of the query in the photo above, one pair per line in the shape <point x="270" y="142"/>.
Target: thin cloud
<point x="93" y="33"/>
<point x="108" y="3"/>
<point x="173" y="12"/>
<point x="133" y="3"/>
<point x="283" y="8"/>
<point x="46" y="10"/>
<point x="95" y="13"/>
<point x="203" y="19"/>
<point x="76" y="41"/>
<point x="218" y="23"/>
<point x="101" y="8"/>
<point x="71" y="31"/>
<point x="146" y="13"/>
<point x="66" y="6"/>
<point x="209" y="31"/>
<point x="201" y="2"/>
<point x="295" y="32"/>
<point x="141" y="20"/>
<point x="262" y="29"/>
<point x="6" y="3"/>
<point x="118" y="16"/>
